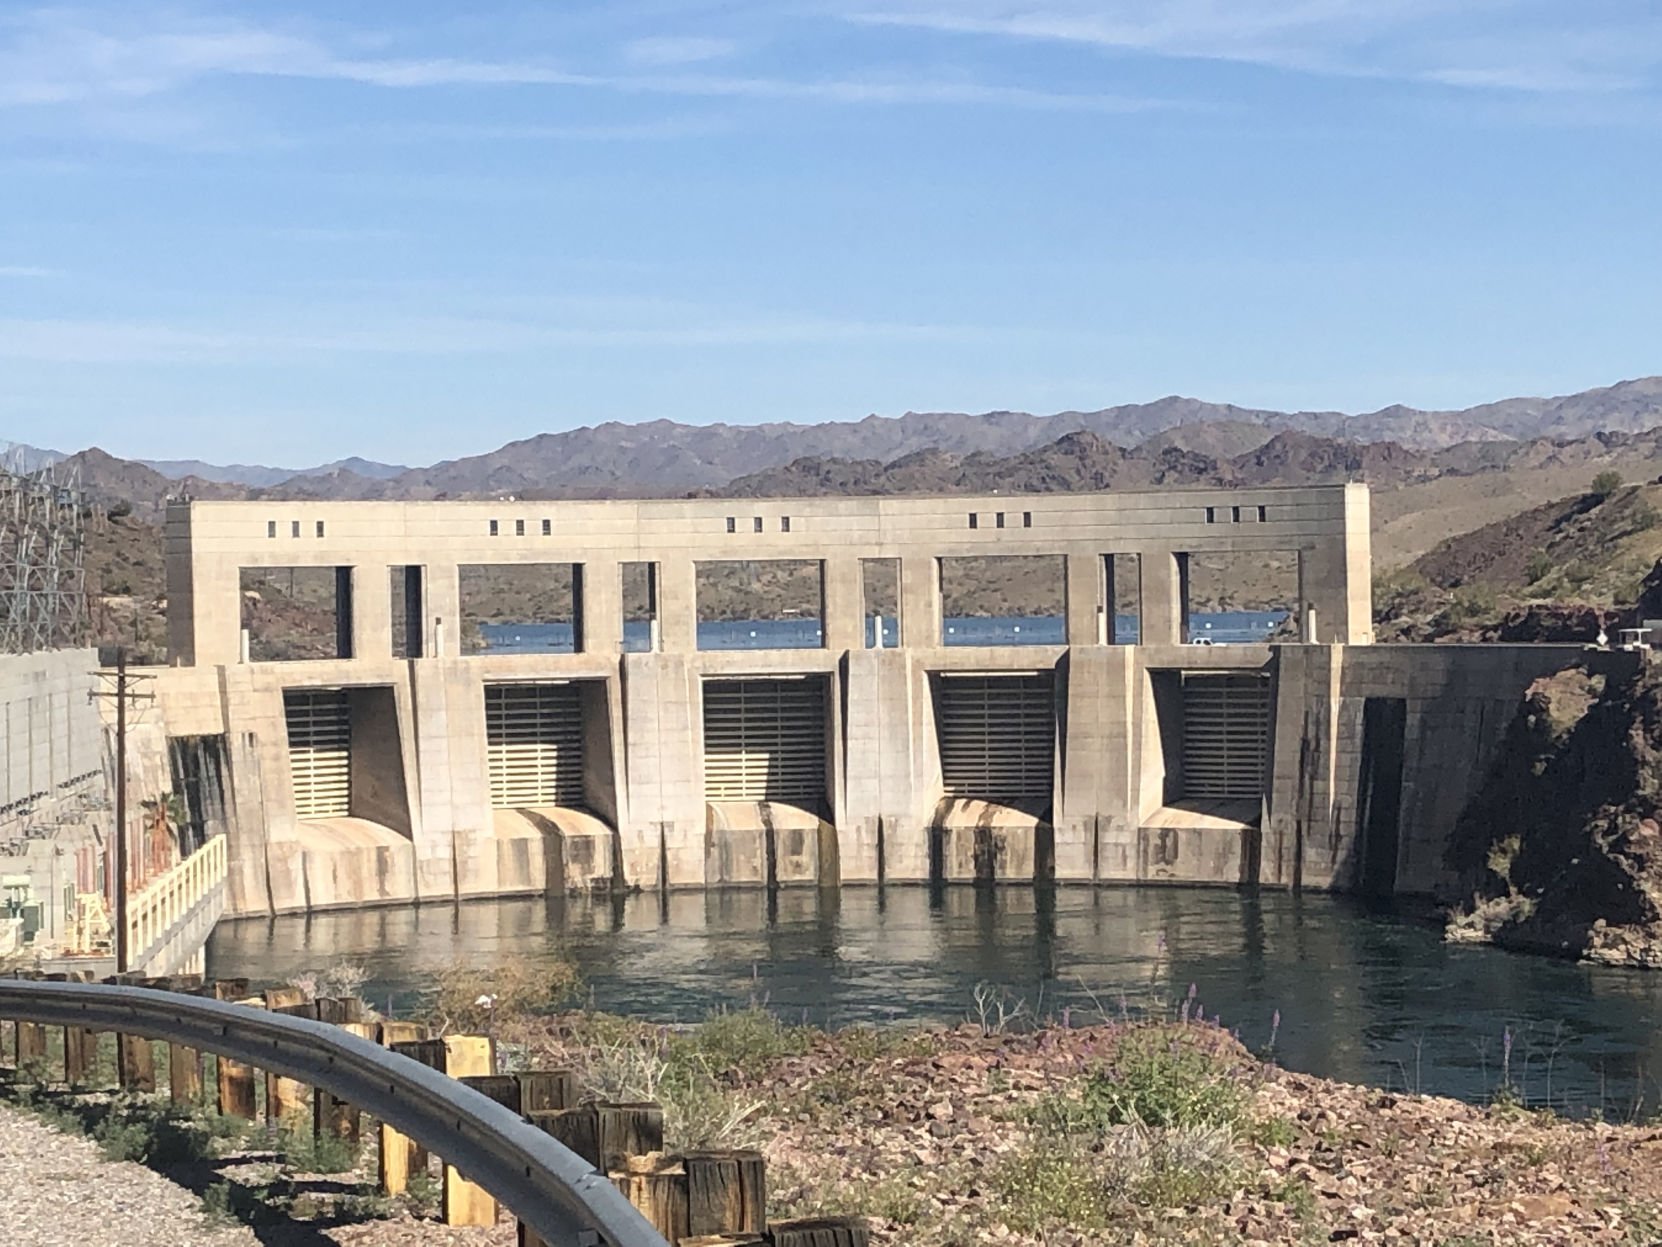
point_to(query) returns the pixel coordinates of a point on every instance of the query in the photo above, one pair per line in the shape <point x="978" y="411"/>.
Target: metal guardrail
<point x="545" y="1185"/>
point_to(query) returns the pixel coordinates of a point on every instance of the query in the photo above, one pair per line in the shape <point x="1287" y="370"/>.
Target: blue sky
<point x="291" y="232"/>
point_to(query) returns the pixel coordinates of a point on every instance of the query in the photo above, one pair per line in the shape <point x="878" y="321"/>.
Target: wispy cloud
<point x="26" y="271"/>
<point x="677" y="50"/>
<point x="66" y="57"/>
<point x="1513" y="45"/>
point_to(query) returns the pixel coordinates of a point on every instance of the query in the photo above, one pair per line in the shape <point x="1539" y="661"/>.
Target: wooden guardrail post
<point x="235" y="1081"/>
<point x="285" y="1098"/>
<point x="135" y="1060"/>
<point x="464" y="1203"/>
<point x="726" y="1192"/>
<point x="332" y="1115"/>
<point x="820" y="1232"/>
<point x="398" y="1155"/>
<point x="80" y="1056"/>
<point x="31" y="1045"/>
<point x="542" y="1091"/>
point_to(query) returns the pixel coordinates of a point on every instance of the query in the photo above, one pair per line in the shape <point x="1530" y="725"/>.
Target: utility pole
<point x="122" y="693"/>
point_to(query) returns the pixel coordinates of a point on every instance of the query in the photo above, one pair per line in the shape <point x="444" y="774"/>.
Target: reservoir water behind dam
<point x="1362" y="995"/>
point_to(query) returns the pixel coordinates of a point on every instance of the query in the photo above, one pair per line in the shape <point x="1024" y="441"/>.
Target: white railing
<point x="154" y="910"/>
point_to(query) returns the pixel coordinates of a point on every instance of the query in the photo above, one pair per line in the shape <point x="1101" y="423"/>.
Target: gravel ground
<point x="57" y="1189"/>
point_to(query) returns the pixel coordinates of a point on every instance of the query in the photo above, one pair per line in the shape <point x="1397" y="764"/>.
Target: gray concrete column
<point x="920" y="602"/>
<point x="599" y="605"/>
<point x="881" y="797"/>
<point x="662" y="826"/>
<point x="371" y="611"/>
<point x="1094" y="823"/>
<point x="842" y="603"/>
<point x="677" y="580"/>
<point x="442" y="589"/>
<point x="1165" y="613"/>
<point x="1084" y="598"/>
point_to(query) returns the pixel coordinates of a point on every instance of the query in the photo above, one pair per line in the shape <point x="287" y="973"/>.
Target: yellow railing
<point x="153" y="910"/>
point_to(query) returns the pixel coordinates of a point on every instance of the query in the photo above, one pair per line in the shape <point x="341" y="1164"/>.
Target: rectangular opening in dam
<point x="534" y="745"/>
<point x="518" y="608"/>
<point x="638" y="594"/>
<point x="408" y="611"/>
<point x="345" y="755"/>
<point x="1241" y="596"/>
<point x="319" y="723"/>
<point x="1012" y="599"/>
<point x="880" y="595"/>
<point x="765" y="740"/>
<point x="1226" y="735"/>
<point x="760" y="604"/>
<point x="997" y="735"/>
<point x="292" y="614"/>
<point x="1125" y="598"/>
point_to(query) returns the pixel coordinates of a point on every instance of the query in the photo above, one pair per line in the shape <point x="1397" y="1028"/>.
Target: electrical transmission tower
<point x="43" y="590"/>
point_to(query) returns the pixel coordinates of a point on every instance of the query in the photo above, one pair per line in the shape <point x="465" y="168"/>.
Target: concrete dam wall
<point x="401" y="769"/>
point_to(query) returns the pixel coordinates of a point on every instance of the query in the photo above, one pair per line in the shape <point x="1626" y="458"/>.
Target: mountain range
<point x="666" y="457"/>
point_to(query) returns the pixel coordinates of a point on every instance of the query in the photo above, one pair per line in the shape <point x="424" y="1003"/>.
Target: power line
<point x="120" y="690"/>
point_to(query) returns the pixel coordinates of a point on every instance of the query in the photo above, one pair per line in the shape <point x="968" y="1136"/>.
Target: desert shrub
<point x="1166" y="1077"/>
<point x="306" y="1152"/>
<point x="743" y="1040"/>
<point x="477" y="998"/>
<point x="1051" y="1183"/>
<point x="1472" y="602"/>
<point x="1539" y="567"/>
<point x="1606" y="483"/>
<point x="343" y="980"/>
<point x="1579" y="574"/>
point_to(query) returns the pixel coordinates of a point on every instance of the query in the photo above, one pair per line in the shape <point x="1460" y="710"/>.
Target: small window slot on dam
<point x="997" y="736"/>
<point x="767" y="773"/>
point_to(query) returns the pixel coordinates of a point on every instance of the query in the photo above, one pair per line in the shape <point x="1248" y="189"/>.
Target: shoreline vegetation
<point x="1056" y="1133"/>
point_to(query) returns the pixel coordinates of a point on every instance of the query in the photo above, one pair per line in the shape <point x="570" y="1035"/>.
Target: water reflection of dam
<point x="651" y="756"/>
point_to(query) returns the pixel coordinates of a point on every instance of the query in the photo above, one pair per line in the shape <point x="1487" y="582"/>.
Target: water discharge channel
<point x="1362" y="994"/>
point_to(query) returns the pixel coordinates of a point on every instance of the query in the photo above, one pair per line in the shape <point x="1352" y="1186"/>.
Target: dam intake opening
<point x="997" y="738"/>
<point x="767" y="775"/>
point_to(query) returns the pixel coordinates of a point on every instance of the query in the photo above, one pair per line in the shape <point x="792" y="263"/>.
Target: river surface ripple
<point x="1362" y="995"/>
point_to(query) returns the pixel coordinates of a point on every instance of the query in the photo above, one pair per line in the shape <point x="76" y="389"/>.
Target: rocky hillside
<point x="1561" y="850"/>
<point x="1598" y="545"/>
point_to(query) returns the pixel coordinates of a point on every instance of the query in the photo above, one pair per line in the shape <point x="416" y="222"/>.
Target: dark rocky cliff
<point x="1561" y="849"/>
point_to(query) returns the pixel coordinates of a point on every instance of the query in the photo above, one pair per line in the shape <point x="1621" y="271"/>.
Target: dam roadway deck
<point x="367" y="778"/>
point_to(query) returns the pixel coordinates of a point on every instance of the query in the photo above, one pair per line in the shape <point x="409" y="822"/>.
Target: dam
<point x="401" y="760"/>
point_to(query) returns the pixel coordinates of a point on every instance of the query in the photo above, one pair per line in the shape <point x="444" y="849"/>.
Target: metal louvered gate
<point x="320" y="751"/>
<point x="534" y="743"/>
<point x="1226" y="732"/>
<point x="764" y="740"/>
<point x="997" y="735"/>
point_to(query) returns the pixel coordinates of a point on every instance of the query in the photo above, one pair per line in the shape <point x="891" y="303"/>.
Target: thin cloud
<point x="677" y="50"/>
<point x="63" y="59"/>
<point x="26" y="271"/>
<point x="1510" y="45"/>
